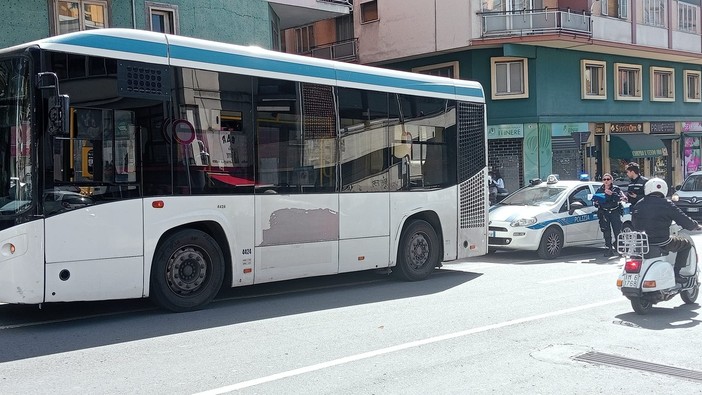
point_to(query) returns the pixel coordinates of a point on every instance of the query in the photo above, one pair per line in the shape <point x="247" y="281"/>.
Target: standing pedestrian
<point x="607" y="200"/>
<point x="635" y="190"/>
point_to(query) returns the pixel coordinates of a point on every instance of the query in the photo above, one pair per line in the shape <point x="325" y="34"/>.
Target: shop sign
<point x="567" y="129"/>
<point x="599" y="128"/>
<point x="626" y="128"/>
<point x="663" y="127"/>
<point x="691" y="126"/>
<point x="512" y="131"/>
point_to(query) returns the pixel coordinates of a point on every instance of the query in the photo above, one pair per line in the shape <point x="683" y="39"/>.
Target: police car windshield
<point x="539" y="195"/>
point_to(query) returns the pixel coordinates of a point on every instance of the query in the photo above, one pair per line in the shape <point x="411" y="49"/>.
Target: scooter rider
<point x="654" y="214"/>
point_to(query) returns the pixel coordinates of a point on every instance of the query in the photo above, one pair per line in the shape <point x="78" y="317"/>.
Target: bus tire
<point x="418" y="253"/>
<point x="187" y="272"/>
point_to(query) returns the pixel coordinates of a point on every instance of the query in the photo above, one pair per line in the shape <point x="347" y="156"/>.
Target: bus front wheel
<point x="418" y="253"/>
<point x="187" y="271"/>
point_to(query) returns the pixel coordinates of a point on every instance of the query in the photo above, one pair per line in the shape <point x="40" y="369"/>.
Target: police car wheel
<point x="551" y="244"/>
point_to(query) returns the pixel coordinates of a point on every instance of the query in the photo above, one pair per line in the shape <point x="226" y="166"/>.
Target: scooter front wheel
<point x="690" y="296"/>
<point x="641" y="306"/>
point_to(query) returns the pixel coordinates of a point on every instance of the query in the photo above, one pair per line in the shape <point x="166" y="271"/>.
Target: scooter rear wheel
<point x="641" y="306"/>
<point x="690" y="296"/>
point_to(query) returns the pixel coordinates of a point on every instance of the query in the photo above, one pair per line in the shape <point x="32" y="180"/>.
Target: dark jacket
<point x="654" y="215"/>
<point x="610" y="202"/>
<point x="636" y="186"/>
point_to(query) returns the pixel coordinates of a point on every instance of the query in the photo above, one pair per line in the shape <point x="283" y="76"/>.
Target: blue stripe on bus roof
<point x="202" y="55"/>
<point x="249" y="62"/>
<point x="121" y="44"/>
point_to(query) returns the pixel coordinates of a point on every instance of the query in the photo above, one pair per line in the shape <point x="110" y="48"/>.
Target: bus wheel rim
<point x="186" y="271"/>
<point x="419" y="251"/>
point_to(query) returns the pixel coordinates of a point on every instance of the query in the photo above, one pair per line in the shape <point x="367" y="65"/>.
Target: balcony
<point x="294" y="13"/>
<point x="534" y="22"/>
<point x="345" y="51"/>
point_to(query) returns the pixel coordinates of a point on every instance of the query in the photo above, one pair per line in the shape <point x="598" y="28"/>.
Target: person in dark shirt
<point x="635" y="191"/>
<point x="654" y="214"/>
<point x="607" y="198"/>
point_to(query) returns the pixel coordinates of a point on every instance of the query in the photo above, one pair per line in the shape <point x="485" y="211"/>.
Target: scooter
<point x="648" y="276"/>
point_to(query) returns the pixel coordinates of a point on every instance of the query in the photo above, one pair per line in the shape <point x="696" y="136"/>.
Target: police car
<point x="546" y="216"/>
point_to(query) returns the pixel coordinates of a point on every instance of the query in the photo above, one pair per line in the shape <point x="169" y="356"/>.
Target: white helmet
<point x="656" y="185"/>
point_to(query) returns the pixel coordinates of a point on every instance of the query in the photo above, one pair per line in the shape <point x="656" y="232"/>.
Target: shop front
<point x="629" y="143"/>
<point x="690" y="147"/>
<point x="505" y="153"/>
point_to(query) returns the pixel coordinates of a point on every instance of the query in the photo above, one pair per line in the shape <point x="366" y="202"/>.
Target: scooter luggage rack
<point x="632" y="244"/>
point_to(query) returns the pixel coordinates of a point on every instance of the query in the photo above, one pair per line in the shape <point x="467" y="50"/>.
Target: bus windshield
<point x="15" y="163"/>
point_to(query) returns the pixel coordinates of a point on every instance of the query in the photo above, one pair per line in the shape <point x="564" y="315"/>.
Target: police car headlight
<point x="523" y="222"/>
<point x="675" y="197"/>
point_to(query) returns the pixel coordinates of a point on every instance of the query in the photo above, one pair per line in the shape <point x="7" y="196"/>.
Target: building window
<point x="692" y="86"/>
<point x="662" y="84"/>
<point x="687" y="17"/>
<point x="654" y="12"/>
<point x="275" y="35"/>
<point x="616" y="8"/>
<point x="623" y="8"/>
<point x="162" y="17"/>
<point x="594" y="83"/>
<point x="304" y="38"/>
<point x="369" y="11"/>
<point x="509" y="78"/>
<point x="77" y="15"/>
<point x="628" y="81"/>
<point x="449" y="70"/>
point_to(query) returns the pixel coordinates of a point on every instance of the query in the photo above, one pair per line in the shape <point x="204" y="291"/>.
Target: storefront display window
<point x="691" y="154"/>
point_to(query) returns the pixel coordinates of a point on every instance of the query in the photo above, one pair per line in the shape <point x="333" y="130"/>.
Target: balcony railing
<point x="530" y="22"/>
<point x="345" y="51"/>
<point x="337" y="2"/>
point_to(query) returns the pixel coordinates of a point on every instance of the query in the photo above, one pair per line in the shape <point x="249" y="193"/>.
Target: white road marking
<point x="558" y="280"/>
<point x="400" y="347"/>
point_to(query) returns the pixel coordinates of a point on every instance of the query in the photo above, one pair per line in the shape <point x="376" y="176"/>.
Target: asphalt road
<point x="503" y="323"/>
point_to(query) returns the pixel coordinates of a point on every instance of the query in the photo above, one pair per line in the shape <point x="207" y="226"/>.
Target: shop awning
<point x="629" y="146"/>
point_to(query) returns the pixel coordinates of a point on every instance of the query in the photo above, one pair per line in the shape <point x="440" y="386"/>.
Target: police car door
<point x="581" y="226"/>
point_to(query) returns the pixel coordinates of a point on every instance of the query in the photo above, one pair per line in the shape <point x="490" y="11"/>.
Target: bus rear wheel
<point x="187" y="272"/>
<point x="418" y="253"/>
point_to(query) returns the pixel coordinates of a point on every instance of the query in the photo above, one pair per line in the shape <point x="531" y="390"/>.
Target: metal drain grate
<point x="613" y="360"/>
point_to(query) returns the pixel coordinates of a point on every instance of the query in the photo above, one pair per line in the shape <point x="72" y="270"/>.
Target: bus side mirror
<point x="59" y="107"/>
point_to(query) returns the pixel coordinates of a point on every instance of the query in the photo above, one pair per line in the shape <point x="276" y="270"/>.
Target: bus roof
<point x="159" y="48"/>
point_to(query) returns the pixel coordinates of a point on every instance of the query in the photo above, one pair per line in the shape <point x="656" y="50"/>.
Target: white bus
<point x="136" y="164"/>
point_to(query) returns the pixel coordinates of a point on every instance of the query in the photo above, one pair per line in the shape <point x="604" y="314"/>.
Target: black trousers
<point x="682" y="246"/>
<point x="610" y="223"/>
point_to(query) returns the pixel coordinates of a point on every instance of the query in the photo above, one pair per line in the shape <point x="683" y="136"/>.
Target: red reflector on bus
<point x="632" y="266"/>
<point x="247" y="270"/>
<point x="157" y="204"/>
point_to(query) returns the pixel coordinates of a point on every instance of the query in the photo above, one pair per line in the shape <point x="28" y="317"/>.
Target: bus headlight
<point x="675" y="197"/>
<point x="523" y="222"/>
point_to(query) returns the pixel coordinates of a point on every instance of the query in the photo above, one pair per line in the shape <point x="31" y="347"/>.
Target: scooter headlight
<point x="523" y="222"/>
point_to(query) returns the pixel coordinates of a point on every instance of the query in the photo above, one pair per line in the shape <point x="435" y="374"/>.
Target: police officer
<point x="607" y="198"/>
<point x="636" y="185"/>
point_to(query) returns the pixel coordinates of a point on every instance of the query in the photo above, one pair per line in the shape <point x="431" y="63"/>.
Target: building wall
<point x="244" y="22"/>
<point x="18" y="21"/>
<point x="413" y="27"/>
